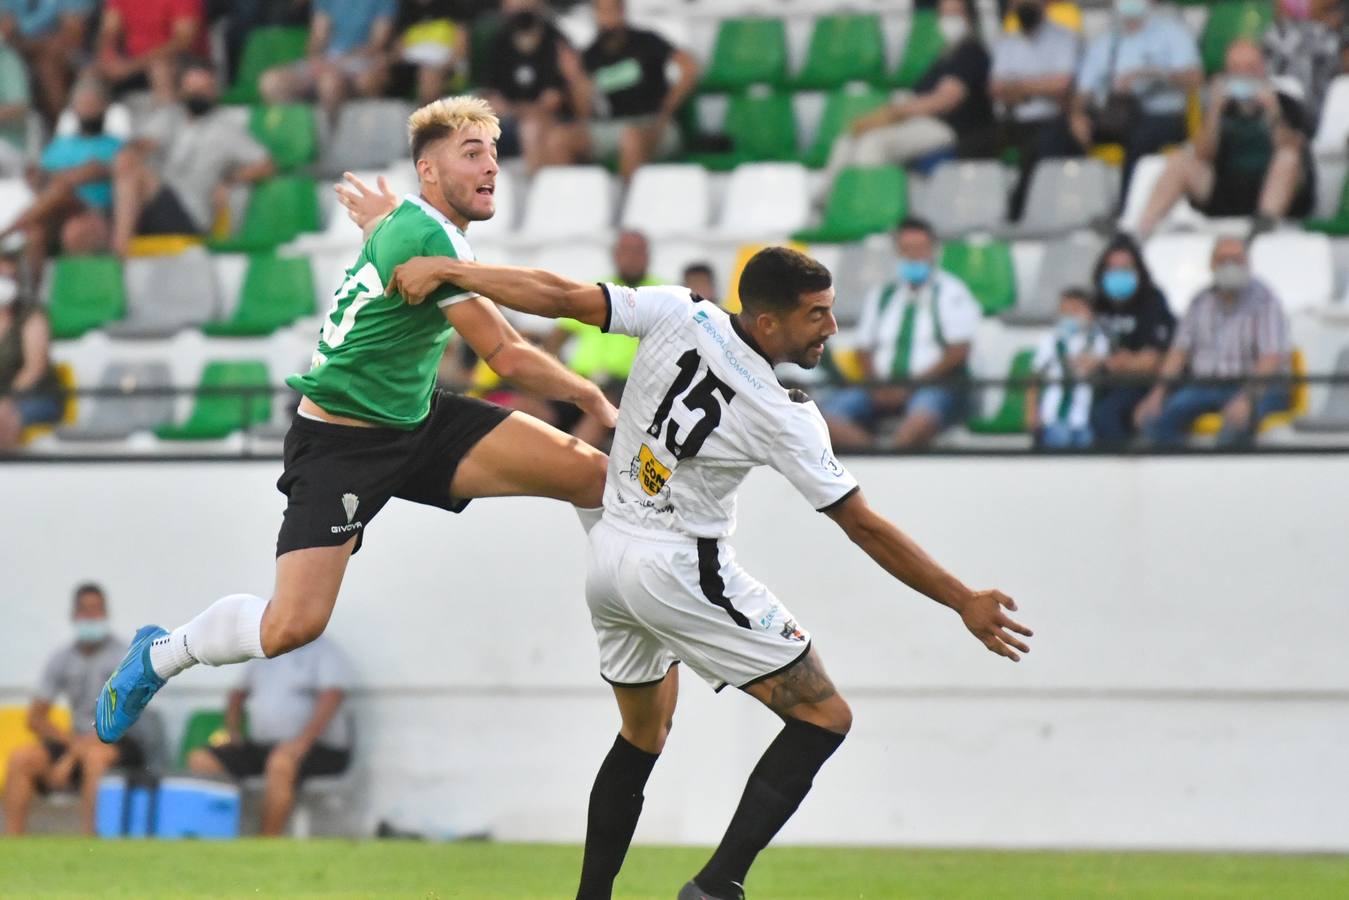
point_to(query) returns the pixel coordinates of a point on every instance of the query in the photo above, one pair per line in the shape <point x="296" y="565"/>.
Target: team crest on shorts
<point x="790" y="632"/>
<point x="649" y="472"/>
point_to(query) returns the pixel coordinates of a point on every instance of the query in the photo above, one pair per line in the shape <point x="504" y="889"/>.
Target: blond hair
<point x="443" y="117"/>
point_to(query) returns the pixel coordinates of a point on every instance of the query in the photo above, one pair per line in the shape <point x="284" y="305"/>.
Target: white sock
<point x="589" y="516"/>
<point x="228" y="631"/>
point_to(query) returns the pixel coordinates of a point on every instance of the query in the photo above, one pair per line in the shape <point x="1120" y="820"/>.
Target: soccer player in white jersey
<point x="701" y="408"/>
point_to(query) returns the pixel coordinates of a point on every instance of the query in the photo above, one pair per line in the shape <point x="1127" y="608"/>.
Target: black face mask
<point x="91" y="126"/>
<point x="198" y="105"/>
<point x="1030" y="15"/>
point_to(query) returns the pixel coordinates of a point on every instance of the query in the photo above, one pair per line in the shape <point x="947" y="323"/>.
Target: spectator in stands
<point x="429" y="47"/>
<point x="949" y="110"/>
<point x="1133" y="313"/>
<point x="1251" y="157"/>
<point x="296" y="726"/>
<point x="1134" y="84"/>
<point x="1234" y="331"/>
<point x="699" y="278"/>
<point x="175" y="177"/>
<point x="604" y="358"/>
<point x="30" y="393"/>
<point x="1058" y="408"/>
<point x="76" y="759"/>
<point x="915" y="332"/>
<point x="15" y="102"/>
<point x="140" y="42"/>
<point x="73" y="193"/>
<point x="1300" y="46"/>
<point x="51" y="35"/>
<point x="534" y="81"/>
<point x="634" y="102"/>
<point x="348" y="42"/>
<point x="1031" y="79"/>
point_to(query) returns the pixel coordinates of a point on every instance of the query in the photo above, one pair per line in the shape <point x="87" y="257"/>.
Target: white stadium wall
<point x="1189" y="685"/>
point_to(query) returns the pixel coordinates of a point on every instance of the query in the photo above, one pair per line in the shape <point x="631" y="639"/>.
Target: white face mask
<point x="1231" y="277"/>
<point x="8" y="291"/>
<point x="953" y="29"/>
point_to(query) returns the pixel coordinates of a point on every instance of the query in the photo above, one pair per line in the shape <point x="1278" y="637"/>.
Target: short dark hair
<point x="916" y="223"/>
<point x="87" y="587"/>
<point x="775" y="279"/>
<point x="1076" y="293"/>
<point x="196" y="64"/>
<point x="698" y="268"/>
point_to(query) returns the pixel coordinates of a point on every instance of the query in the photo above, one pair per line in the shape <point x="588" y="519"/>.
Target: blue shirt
<point x="76" y="150"/>
<point x="1162" y="43"/>
<point x="353" y="21"/>
<point x="38" y="18"/>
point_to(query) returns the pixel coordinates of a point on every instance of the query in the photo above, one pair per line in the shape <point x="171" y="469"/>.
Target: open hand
<point x="983" y="615"/>
<point x="416" y="279"/>
<point x="365" y="204"/>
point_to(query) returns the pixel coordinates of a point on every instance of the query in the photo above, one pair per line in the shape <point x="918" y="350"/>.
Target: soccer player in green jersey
<point x="371" y="425"/>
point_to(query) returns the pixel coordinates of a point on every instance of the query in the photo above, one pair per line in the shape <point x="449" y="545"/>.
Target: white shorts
<point x="656" y="600"/>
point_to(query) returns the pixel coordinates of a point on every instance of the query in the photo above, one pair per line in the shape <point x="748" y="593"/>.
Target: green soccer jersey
<point x="377" y="356"/>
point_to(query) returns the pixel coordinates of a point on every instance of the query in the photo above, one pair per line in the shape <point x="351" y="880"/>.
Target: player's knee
<point x="290" y="633"/>
<point x="280" y="766"/>
<point x="590" y="482"/>
<point x="833" y="714"/>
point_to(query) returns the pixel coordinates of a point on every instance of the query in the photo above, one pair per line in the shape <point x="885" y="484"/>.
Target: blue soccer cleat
<point x="129" y="688"/>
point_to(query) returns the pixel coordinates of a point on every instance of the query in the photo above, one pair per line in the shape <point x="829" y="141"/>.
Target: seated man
<point x="74" y="760"/>
<point x="1134" y="84"/>
<point x="175" y="177"/>
<point x="51" y="36"/>
<point x="74" y="194"/>
<point x="1031" y="79"/>
<point x="916" y="327"/>
<point x="30" y="392"/>
<point x="140" y="41"/>
<point x="634" y="102"/>
<point x="1235" y="331"/>
<point x="1251" y="157"/>
<point x="348" y="40"/>
<point x="296" y="726"/>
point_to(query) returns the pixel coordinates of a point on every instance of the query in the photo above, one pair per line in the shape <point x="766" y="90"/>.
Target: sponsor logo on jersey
<point x="649" y="472"/>
<point x="350" y="502"/>
<point x="703" y="319"/>
<point x="791" y="632"/>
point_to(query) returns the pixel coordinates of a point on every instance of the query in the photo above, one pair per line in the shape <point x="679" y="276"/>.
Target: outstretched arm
<point x="528" y="290"/>
<point x="898" y="554"/>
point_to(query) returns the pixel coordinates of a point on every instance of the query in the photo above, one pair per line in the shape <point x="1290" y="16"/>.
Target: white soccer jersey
<point x="701" y="408"/>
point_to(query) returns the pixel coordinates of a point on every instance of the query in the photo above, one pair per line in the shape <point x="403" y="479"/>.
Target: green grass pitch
<point x="69" y="867"/>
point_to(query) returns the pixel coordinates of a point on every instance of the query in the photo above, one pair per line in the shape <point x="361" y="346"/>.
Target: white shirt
<point x="1048" y="366"/>
<point x="701" y="408"/>
<point x="879" y="328"/>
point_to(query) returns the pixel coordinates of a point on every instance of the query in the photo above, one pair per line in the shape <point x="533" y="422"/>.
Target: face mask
<point x="1119" y="284"/>
<point x="9" y="289"/>
<point x="1242" y="89"/>
<point x="1131" y="9"/>
<point x="914" y="271"/>
<point x="91" y="126"/>
<point x="198" y="105"/>
<point x="1030" y="16"/>
<point x="1068" y="327"/>
<point x="91" y="631"/>
<point x="1231" y="277"/>
<point x="953" y="29"/>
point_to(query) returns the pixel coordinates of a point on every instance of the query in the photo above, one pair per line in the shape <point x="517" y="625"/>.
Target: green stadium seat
<point x="843" y="48"/>
<point x="922" y="48"/>
<point x="762" y="127"/>
<point x="218" y="415"/>
<point x="842" y="107"/>
<point x="265" y="48"/>
<point x="1229" y="20"/>
<point x="289" y="132"/>
<point x="205" y="728"/>
<point x="276" y="291"/>
<point x="1011" y="416"/>
<point x="1337" y="225"/>
<point x="747" y="51"/>
<point x="279" y="210"/>
<point x="986" y="267"/>
<point x="863" y="201"/>
<point x="86" y="293"/>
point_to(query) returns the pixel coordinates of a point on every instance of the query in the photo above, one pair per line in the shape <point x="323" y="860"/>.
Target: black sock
<point x="776" y="788"/>
<point x="615" y="804"/>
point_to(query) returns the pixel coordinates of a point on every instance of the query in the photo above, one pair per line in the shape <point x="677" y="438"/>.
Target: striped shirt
<point x="1225" y="339"/>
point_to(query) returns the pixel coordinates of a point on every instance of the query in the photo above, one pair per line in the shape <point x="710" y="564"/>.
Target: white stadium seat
<point x="669" y="200"/>
<point x="1298" y="266"/>
<point x="1332" y="138"/>
<point x="584" y="262"/>
<point x="764" y="200"/>
<point x="1180" y="265"/>
<point x="568" y="202"/>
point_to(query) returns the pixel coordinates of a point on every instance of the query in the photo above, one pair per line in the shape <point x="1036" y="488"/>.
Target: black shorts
<point x="248" y="759"/>
<point x="1235" y="194"/>
<point x="129" y="756"/>
<point x="338" y="477"/>
<point x="165" y="214"/>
